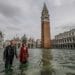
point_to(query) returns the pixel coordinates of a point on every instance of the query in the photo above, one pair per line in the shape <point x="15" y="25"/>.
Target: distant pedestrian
<point x="9" y="53"/>
<point x="24" y="54"/>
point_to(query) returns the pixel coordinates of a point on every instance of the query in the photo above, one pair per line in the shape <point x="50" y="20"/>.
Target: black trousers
<point x="9" y="62"/>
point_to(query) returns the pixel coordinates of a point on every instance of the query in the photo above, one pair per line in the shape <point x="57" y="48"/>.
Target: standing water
<point x="43" y="62"/>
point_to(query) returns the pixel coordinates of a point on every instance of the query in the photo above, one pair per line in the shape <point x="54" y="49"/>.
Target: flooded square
<point x="43" y="62"/>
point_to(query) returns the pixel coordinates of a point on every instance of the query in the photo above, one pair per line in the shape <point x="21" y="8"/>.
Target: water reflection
<point x="9" y="72"/>
<point x="46" y="62"/>
<point x="23" y="68"/>
<point x="43" y="62"/>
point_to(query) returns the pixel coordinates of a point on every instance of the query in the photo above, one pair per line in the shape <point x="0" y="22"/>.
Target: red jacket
<point x="23" y="54"/>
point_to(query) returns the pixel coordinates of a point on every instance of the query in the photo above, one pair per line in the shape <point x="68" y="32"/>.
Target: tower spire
<point x="45" y="7"/>
<point x="45" y="14"/>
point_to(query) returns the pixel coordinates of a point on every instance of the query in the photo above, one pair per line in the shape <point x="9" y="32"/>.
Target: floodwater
<point x="43" y="62"/>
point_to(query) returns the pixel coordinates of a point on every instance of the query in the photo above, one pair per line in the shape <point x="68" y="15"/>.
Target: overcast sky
<point x="23" y="17"/>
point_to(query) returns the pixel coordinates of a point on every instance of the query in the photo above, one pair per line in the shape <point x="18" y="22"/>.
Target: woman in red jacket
<point x="24" y="53"/>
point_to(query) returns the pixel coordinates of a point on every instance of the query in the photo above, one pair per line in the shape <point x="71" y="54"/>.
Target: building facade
<point x="45" y="28"/>
<point x="38" y="43"/>
<point x="65" y="40"/>
<point x="18" y="42"/>
<point x="31" y="43"/>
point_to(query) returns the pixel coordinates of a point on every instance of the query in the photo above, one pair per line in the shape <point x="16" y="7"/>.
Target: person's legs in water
<point x="7" y="62"/>
<point x="24" y="64"/>
<point x="6" y="65"/>
<point x="23" y="67"/>
<point x="11" y="62"/>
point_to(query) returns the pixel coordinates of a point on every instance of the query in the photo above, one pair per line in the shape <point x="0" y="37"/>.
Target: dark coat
<point x="9" y="52"/>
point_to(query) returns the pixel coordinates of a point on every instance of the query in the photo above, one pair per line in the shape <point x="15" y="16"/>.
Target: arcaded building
<point x="65" y="40"/>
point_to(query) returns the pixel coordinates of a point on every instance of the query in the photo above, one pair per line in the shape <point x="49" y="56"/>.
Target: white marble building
<point x="65" y="40"/>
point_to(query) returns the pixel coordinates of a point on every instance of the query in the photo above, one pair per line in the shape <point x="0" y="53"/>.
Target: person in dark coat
<point x="9" y="53"/>
<point x="24" y="53"/>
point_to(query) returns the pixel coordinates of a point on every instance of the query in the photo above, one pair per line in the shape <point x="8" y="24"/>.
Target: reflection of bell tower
<point x="45" y="28"/>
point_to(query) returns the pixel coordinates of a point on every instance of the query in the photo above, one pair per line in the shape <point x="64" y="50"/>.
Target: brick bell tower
<point x="45" y="29"/>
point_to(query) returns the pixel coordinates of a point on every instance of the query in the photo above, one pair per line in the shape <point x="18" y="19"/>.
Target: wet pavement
<point x="43" y="62"/>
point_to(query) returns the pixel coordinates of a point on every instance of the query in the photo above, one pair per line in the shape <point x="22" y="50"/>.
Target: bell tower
<point x="45" y="28"/>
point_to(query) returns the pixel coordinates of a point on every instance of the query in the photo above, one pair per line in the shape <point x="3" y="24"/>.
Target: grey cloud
<point x="23" y="16"/>
<point x="12" y="28"/>
<point x="58" y="3"/>
<point x="9" y="10"/>
<point x="68" y="26"/>
<point x="65" y="27"/>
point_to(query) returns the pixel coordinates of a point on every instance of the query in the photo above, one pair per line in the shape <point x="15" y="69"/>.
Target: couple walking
<point x="10" y="52"/>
